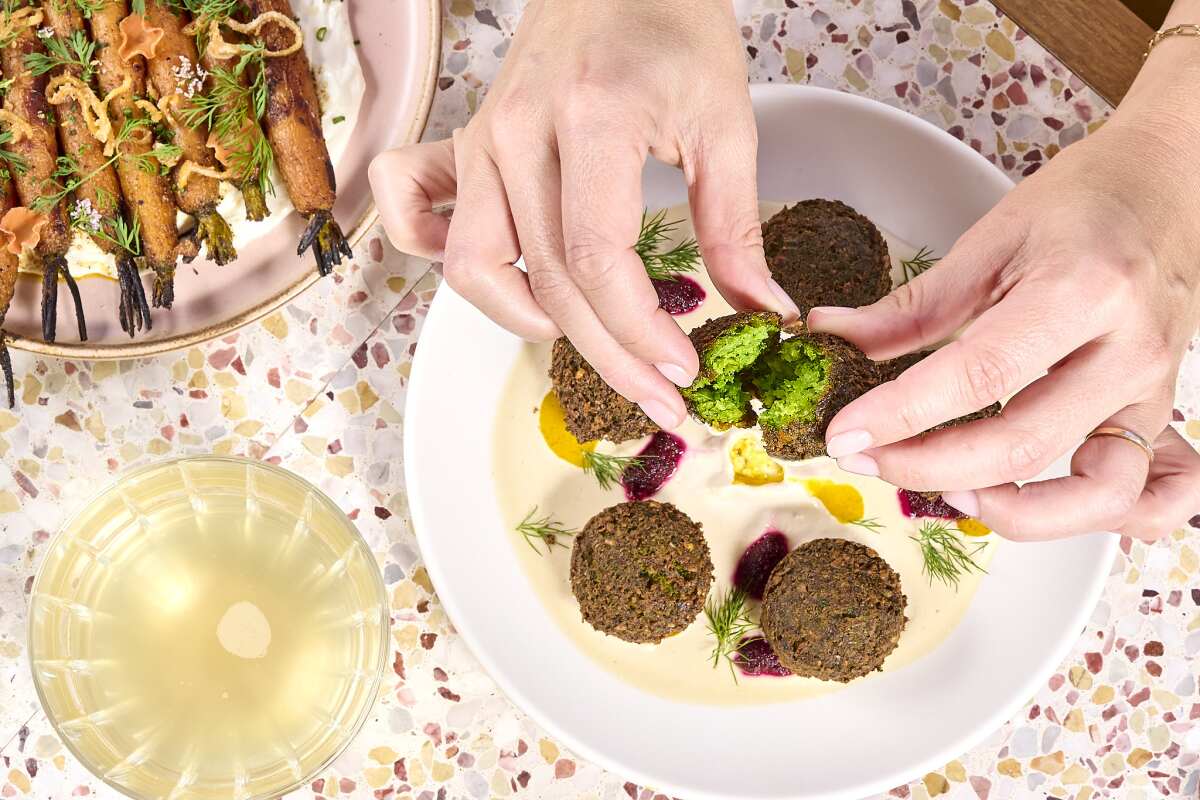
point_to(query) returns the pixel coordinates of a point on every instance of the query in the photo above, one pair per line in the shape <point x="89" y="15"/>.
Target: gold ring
<point x="1129" y="436"/>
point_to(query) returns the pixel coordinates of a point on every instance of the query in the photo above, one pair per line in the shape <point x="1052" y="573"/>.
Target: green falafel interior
<point x="719" y="395"/>
<point x="791" y="378"/>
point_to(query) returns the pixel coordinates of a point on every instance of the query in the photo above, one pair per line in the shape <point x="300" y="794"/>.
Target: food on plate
<point x="293" y="126"/>
<point x="38" y="225"/>
<point x="727" y="347"/>
<point x="194" y="181"/>
<point x="751" y="464"/>
<point x="754" y="657"/>
<point x="944" y="555"/>
<point x="803" y="382"/>
<point x="8" y="285"/>
<point x="756" y="564"/>
<point x="640" y="571"/>
<point x="592" y="409"/>
<point x="653" y="466"/>
<point x="824" y="253"/>
<point x="553" y="427"/>
<point x="833" y="609"/>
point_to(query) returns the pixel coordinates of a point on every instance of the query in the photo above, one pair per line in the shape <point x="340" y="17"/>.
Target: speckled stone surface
<point x="319" y="388"/>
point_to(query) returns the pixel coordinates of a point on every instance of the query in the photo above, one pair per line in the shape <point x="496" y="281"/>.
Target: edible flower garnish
<point x="22" y="229"/>
<point x="138" y="38"/>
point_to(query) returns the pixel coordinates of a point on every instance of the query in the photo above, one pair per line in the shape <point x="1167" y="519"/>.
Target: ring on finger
<point x="1126" y="435"/>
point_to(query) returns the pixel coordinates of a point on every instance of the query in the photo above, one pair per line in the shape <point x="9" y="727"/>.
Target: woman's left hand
<point x="1081" y="290"/>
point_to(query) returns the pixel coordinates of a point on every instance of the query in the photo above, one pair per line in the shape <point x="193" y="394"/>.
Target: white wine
<point x="208" y="628"/>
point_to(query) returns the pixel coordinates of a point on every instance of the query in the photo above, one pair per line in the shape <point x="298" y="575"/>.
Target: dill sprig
<point x="923" y="260"/>
<point x="67" y="167"/>
<point x="944" y="554"/>
<point x="608" y="469"/>
<point x="77" y="51"/>
<point x="728" y="623"/>
<point x="231" y="110"/>
<point x="664" y="264"/>
<point x="89" y="7"/>
<point x="543" y="529"/>
<point x="868" y="523"/>
<point x="13" y="162"/>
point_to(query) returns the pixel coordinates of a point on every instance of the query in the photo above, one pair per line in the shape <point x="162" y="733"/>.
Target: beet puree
<point x="915" y="504"/>
<point x="678" y="296"/>
<point x="754" y="656"/>
<point x="660" y="458"/>
<point x="755" y="565"/>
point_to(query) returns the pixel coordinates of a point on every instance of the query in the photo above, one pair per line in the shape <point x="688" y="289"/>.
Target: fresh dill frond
<point x="66" y="165"/>
<point x="138" y="7"/>
<point x="77" y="51"/>
<point x="607" y="469"/>
<point x="5" y="85"/>
<point x="543" y="529"/>
<point x="664" y="264"/>
<point x="923" y="260"/>
<point x="14" y="161"/>
<point x="89" y="7"/>
<point x="728" y="623"/>
<point x="231" y="110"/>
<point x="868" y="523"/>
<point x="945" y="556"/>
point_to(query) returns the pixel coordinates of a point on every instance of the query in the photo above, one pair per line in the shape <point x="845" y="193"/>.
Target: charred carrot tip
<point x="73" y="287"/>
<point x="6" y="367"/>
<point x="134" y="309"/>
<point x="49" y="300"/>
<point x="327" y="241"/>
<point x="214" y="233"/>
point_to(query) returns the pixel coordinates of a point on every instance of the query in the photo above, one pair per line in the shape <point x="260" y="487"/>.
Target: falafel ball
<point x="833" y="609"/>
<point x="891" y="369"/>
<point x="727" y="347"/>
<point x="591" y="408"/>
<point x="824" y="253"/>
<point x="641" y="571"/>
<point x="803" y="383"/>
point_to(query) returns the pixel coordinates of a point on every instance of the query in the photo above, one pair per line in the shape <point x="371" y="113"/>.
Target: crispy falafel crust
<point x="824" y="253"/>
<point x="833" y="609"/>
<point x="641" y="571"/>
<point x="707" y="334"/>
<point x="593" y="409"/>
<point x="851" y="374"/>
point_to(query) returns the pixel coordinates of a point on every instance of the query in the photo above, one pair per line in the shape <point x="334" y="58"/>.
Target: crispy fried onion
<point x="218" y="48"/>
<point x="64" y="88"/>
<point x="12" y="22"/>
<point x="19" y="127"/>
<point x="189" y="168"/>
<point x="166" y="106"/>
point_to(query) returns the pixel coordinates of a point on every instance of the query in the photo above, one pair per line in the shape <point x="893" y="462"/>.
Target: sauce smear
<point x="915" y="504"/>
<point x="679" y="296"/>
<point x="756" y="564"/>
<point x="660" y="458"/>
<point x="755" y="656"/>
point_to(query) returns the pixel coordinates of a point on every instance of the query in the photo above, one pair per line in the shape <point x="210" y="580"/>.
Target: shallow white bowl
<point x="922" y="185"/>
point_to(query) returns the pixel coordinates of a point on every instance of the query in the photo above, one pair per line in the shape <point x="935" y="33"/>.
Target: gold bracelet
<point x="1177" y="30"/>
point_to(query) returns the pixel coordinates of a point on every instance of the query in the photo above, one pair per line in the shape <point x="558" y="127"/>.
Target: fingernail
<point x="859" y="464"/>
<point x="675" y="374"/>
<point x="848" y="443"/>
<point x="663" y="415"/>
<point x="786" y="306"/>
<point x="966" y="502"/>
<point x="835" y="311"/>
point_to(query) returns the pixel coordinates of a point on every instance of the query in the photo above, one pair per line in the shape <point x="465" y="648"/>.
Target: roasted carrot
<point x="96" y="188"/>
<point x="147" y="193"/>
<point x="37" y="145"/>
<point x="172" y="71"/>
<point x="293" y="124"/>
<point x="8" y="285"/>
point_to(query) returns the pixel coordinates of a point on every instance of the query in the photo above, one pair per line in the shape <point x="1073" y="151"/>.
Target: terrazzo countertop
<point x="319" y="388"/>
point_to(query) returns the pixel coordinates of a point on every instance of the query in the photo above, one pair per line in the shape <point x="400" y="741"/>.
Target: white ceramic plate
<point x="915" y="181"/>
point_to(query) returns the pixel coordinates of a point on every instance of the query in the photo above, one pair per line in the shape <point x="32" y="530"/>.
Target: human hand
<point x="550" y="170"/>
<point x="1087" y="271"/>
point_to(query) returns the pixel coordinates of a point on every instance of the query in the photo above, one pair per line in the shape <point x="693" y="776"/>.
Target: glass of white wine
<point x="208" y="628"/>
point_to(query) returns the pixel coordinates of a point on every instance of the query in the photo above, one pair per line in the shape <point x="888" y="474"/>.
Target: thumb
<point x="408" y="183"/>
<point x="723" y="195"/>
<point x="930" y="307"/>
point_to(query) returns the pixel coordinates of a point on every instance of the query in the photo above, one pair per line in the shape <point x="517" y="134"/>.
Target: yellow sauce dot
<point x="841" y="500"/>
<point x="554" y="431"/>
<point x="973" y="527"/>
<point x="751" y="464"/>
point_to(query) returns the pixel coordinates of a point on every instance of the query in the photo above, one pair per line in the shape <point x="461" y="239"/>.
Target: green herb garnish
<point x="868" y="523"/>
<point x="664" y="264"/>
<point x="914" y="266"/>
<point x="77" y="52"/>
<point x="607" y="470"/>
<point x="728" y="624"/>
<point x="544" y="530"/>
<point x="322" y="32"/>
<point x="945" y="556"/>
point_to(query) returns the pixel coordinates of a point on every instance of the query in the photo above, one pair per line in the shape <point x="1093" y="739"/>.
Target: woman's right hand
<point x="549" y="170"/>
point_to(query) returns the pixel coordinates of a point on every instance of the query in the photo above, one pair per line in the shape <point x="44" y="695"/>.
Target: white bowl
<point x="915" y="181"/>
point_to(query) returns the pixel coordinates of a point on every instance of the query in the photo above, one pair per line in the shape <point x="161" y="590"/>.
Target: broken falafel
<point x="591" y="408"/>
<point x="727" y="346"/>
<point x="833" y="609"/>
<point x="824" y="253"/>
<point x="641" y="571"/>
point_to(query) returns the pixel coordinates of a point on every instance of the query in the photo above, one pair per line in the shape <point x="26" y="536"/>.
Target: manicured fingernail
<point x="675" y="374"/>
<point x="966" y="502"/>
<point x="859" y="464"/>
<point x="835" y="311"/>
<point x="663" y="415"/>
<point x="786" y="305"/>
<point x="848" y="443"/>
